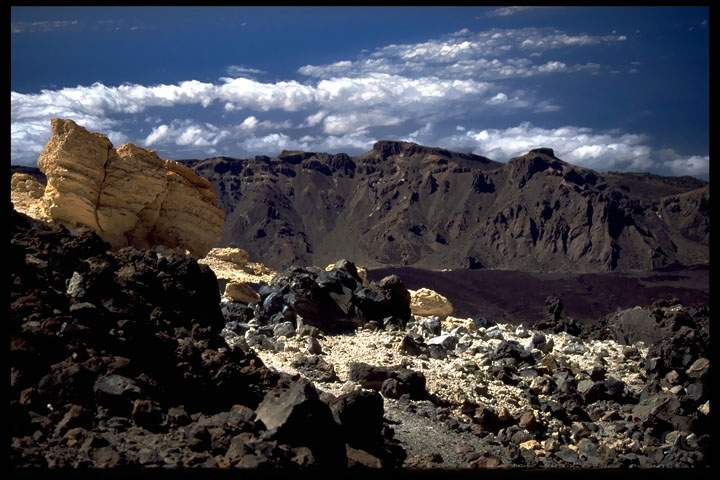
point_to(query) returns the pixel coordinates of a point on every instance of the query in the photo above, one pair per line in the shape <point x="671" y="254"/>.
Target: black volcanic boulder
<point x="360" y="413"/>
<point x="393" y="382"/>
<point x="663" y="412"/>
<point x="652" y="324"/>
<point x="513" y="350"/>
<point x="677" y="352"/>
<point x="332" y="301"/>
<point x="295" y="414"/>
<point x="555" y="320"/>
<point x="634" y="324"/>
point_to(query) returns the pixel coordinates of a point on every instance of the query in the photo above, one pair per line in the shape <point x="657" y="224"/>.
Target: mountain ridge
<point x="404" y="204"/>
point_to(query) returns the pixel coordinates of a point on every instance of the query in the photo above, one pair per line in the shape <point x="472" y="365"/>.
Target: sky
<point x="609" y="88"/>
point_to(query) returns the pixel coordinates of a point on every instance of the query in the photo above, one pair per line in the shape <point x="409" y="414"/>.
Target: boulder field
<point x="116" y="359"/>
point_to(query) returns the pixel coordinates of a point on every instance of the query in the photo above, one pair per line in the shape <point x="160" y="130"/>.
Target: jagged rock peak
<point x="295" y="156"/>
<point x="543" y="150"/>
<point x="128" y="195"/>
<point x="387" y="148"/>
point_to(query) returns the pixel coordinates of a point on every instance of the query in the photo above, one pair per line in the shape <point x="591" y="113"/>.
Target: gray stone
<point x="699" y="368"/>
<point x="494" y="333"/>
<point x="285" y="329"/>
<point x="448" y="341"/>
<point x="432" y="325"/>
<point x="75" y="286"/>
<point x="314" y="346"/>
<point x="521" y="332"/>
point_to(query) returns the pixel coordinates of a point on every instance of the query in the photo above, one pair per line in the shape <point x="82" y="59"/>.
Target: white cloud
<point x="339" y="124"/>
<point x="676" y="164"/>
<point x="346" y="105"/>
<point x="273" y="143"/>
<point x="186" y="133"/>
<point x="238" y="70"/>
<point x="577" y="145"/>
<point x="315" y="118"/>
<point x="507" y="11"/>
<point x="422" y="82"/>
<point x="245" y="93"/>
<point x="487" y="55"/>
<point x="498" y="99"/>
<point x="42" y="26"/>
<point x="249" y="123"/>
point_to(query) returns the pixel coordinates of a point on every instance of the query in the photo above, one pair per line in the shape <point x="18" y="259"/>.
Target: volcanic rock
<point x="360" y="413"/>
<point x="393" y="381"/>
<point x="152" y="341"/>
<point x="412" y="346"/>
<point x="295" y="414"/>
<point x="315" y="368"/>
<point x="334" y="300"/>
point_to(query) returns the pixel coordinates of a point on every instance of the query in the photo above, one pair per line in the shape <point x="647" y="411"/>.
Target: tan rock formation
<point x="26" y="194"/>
<point x="241" y="292"/>
<point x="425" y="302"/>
<point x="237" y="256"/>
<point x="233" y="264"/>
<point x="129" y="196"/>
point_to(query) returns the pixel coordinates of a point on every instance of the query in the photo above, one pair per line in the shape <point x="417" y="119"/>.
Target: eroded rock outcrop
<point x="128" y="196"/>
<point x="233" y="265"/>
<point x="26" y="193"/>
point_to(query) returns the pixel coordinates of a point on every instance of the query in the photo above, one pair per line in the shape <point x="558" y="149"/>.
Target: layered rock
<point x="128" y="196"/>
<point x="426" y="302"/>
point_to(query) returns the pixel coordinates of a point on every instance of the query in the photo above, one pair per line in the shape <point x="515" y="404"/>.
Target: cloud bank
<point x="414" y="91"/>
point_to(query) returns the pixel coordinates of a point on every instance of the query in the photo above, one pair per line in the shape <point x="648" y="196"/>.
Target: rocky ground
<point x="603" y="380"/>
<point x="116" y="359"/>
<point x="631" y="391"/>
<point x="129" y="357"/>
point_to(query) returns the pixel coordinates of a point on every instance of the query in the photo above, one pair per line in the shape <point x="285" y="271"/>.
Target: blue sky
<point x="611" y="88"/>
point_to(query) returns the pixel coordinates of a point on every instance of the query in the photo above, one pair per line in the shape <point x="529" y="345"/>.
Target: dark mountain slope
<point x="406" y="204"/>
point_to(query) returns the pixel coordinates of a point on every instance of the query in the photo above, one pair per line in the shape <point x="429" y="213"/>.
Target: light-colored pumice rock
<point x="241" y="292"/>
<point x="426" y="302"/>
<point x="233" y="264"/>
<point x="238" y="256"/>
<point x="26" y="194"/>
<point x="128" y="196"/>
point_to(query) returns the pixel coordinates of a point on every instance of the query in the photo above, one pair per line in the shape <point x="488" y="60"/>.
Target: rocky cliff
<point x="406" y="204"/>
<point x="129" y="195"/>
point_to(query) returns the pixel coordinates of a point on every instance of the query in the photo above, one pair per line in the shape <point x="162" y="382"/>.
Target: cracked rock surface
<point x="128" y="195"/>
